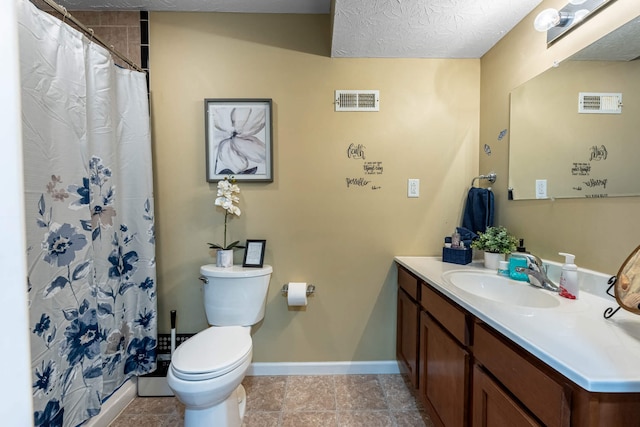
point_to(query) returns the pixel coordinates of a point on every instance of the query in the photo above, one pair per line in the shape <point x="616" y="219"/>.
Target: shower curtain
<point x="89" y="220"/>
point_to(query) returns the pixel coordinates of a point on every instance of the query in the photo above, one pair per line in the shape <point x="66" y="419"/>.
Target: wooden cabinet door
<point x="492" y="407"/>
<point x="422" y="359"/>
<point x="446" y="374"/>
<point x="527" y="379"/>
<point x="407" y="336"/>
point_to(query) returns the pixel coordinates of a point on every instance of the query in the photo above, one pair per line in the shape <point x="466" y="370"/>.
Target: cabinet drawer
<point x="546" y="399"/>
<point x="451" y="317"/>
<point x="408" y="282"/>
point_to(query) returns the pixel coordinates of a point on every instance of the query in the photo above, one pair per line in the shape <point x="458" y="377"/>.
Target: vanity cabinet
<point x="444" y="359"/>
<point x="432" y="336"/>
<point x="468" y="374"/>
<point x="407" y="334"/>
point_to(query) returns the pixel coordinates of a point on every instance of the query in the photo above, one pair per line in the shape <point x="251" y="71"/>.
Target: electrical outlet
<point x="413" y="187"/>
<point x="541" y="189"/>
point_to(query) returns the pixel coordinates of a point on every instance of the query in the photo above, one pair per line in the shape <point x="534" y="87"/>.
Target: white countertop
<point x="598" y="354"/>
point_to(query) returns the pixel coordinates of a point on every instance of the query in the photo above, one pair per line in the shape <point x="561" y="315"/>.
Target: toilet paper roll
<point x="297" y="294"/>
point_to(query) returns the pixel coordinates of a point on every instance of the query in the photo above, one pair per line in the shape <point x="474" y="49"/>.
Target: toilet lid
<point x="212" y="352"/>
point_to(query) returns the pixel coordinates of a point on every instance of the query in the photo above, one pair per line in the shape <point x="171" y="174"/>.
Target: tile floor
<point x="302" y="401"/>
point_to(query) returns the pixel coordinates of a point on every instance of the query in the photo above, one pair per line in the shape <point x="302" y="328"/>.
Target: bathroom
<point x="435" y="117"/>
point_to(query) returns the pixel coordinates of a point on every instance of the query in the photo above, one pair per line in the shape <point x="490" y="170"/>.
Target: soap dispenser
<point x="569" y="277"/>
<point x="521" y="247"/>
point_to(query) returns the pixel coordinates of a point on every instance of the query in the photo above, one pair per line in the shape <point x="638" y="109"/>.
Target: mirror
<point x="627" y="287"/>
<point x="555" y="151"/>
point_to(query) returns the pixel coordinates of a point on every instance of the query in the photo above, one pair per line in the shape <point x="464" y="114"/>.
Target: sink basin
<point x="500" y="289"/>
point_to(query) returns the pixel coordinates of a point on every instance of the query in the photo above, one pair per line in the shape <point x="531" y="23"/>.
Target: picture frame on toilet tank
<point x="254" y="253"/>
<point x="239" y="139"/>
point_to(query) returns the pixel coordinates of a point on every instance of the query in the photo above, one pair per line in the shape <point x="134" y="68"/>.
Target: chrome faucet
<point x="536" y="271"/>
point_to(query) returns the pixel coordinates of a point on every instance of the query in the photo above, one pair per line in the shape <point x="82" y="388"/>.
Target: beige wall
<point x="600" y="232"/>
<point x="341" y="239"/>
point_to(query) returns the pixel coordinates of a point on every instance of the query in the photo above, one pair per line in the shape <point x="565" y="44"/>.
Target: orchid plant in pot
<point x="496" y="242"/>
<point x="227" y="198"/>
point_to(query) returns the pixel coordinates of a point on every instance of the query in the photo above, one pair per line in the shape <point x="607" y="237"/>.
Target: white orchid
<point x="227" y="198"/>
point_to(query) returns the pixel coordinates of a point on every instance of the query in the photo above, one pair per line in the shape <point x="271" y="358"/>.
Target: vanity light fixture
<point x="557" y="23"/>
<point x="550" y="18"/>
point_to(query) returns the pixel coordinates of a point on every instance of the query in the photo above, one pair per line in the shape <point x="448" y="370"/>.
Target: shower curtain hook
<point x="91" y="32"/>
<point x="64" y="13"/>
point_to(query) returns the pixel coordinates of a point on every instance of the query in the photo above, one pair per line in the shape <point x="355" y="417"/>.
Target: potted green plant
<point x="496" y="242"/>
<point x="227" y="198"/>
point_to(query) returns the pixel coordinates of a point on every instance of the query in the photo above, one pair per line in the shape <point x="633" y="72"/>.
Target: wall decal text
<point x="581" y="169"/>
<point x="596" y="183"/>
<point x="369" y="168"/>
<point x="356" y="151"/>
<point x="357" y="182"/>
<point x="598" y="153"/>
<point x="372" y="168"/>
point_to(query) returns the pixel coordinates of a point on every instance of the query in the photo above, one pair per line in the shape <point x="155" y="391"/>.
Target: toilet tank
<point x="235" y="296"/>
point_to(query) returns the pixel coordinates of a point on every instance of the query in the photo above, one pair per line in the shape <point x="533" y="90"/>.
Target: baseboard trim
<point x="324" y="368"/>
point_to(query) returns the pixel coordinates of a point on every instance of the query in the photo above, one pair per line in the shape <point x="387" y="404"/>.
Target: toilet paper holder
<point x="310" y="289"/>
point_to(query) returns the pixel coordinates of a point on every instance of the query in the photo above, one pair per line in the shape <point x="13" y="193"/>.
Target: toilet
<point x="207" y="370"/>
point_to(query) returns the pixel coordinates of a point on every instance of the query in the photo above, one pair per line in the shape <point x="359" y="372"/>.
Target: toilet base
<point x="228" y="413"/>
<point x="241" y="394"/>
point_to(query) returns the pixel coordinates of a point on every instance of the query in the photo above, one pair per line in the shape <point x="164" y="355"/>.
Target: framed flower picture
<point x="239" y="139"/>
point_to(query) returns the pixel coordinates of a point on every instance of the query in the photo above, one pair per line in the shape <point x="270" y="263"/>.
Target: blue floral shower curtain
<point x="89" y="220"/>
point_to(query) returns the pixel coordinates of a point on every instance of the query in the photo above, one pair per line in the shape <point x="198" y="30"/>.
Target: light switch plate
<point x="541" y="189"/>
<point x="413" y="187"/>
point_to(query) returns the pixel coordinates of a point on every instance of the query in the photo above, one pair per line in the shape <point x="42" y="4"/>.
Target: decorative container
<point x="492" y="260"/>
<point x="457" y="256"/>
<point x="224" y="258"/>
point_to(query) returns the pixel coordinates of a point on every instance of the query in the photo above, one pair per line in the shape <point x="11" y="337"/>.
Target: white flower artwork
<point x="239" y="139"/>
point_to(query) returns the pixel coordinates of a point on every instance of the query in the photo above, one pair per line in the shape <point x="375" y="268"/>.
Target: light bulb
<point x="577" y="2"/>
<point x="580" y="15"/>
<point x="546" y="19"/>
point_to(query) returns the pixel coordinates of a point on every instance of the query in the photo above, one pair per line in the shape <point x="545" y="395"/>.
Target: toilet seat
<point x="211" y="353"/>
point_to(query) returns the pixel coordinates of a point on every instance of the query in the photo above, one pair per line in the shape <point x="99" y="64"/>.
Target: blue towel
<point x="478" y="212"/>
<point x="466" y="236"/>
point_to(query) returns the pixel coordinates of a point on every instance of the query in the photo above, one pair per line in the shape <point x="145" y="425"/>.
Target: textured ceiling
<point x="372" y="28"/>
<point x="423" y="29"/>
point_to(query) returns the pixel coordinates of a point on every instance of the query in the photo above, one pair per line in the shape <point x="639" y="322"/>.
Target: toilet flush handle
<point x="204" y="279"/>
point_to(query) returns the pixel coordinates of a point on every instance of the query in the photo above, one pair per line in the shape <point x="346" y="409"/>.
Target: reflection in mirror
<point x="627" y="287"/>
<point x="555" y="151"/>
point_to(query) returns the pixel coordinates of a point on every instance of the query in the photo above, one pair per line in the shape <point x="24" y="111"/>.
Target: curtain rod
<point x="63" y="10"/>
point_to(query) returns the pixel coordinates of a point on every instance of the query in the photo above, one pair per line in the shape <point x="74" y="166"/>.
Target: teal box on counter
<point x="457" y="256"/>
<point x="515" y="262"/>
